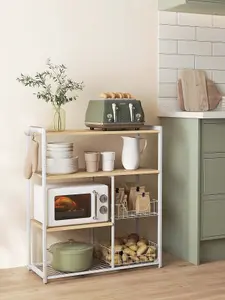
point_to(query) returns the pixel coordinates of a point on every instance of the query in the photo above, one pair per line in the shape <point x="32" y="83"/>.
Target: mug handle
<point x="145" y="145"/>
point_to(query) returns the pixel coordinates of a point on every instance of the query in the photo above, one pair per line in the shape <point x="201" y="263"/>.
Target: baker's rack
<point x="44" y="269"/>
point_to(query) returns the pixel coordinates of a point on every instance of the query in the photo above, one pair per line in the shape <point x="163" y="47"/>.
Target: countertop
<point x="192" y="115"/>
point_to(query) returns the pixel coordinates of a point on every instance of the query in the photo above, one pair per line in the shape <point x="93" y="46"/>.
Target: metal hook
<point x="27" y="133"/>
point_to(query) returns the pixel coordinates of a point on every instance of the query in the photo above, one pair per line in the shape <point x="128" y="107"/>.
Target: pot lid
<point x="70" y="245"/>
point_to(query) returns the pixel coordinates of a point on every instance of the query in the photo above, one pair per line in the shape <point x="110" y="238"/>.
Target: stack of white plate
<point x="60" y="158"/>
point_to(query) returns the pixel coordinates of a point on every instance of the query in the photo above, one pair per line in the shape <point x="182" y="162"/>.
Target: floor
<point x="177" y="280"/>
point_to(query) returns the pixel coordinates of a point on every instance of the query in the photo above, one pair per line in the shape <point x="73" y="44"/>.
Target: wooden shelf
<point x="72" y="227"/>
<point x="101" y="132"/>
<point x="117" y="172"/>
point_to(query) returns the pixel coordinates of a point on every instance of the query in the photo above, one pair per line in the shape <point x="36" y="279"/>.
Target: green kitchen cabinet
<point x="194" y="188"/>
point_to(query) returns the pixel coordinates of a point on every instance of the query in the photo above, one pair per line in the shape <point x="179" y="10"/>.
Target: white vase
<point x="131" y="152"/>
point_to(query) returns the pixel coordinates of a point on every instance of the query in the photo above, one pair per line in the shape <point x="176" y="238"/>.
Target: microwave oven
<point x="72" y="204"/>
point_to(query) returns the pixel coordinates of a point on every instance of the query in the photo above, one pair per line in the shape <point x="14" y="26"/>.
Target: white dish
<point x="55" y="171"/>
<point x="59" y="149"/>
<point x="59" y="154"/>
<point x="62" y="166"/>
<point x="59" y="145"/>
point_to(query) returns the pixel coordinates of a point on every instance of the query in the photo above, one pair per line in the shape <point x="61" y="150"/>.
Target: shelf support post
<point x="28" y="223"/>
<point x="112" y="220"/>
<point x="44" y="196"/>
<point x="160" y="157"/>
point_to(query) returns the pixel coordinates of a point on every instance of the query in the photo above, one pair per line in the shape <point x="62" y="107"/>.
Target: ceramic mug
<point x="108" y="159"/>
<point x="92" y="159"/>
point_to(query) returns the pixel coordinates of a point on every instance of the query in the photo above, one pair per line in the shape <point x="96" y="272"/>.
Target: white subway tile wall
<point x="168" y="46"/>
<point x="173" y="32"/>
<point x="191" y="20"/>
<point x="210" y="63"/>
<point x="194" y="47"/>
<point x="210" y="34"/>
<point x="219" y="21"/>
<point x="218" y="76"/>
<point x="219" y="49"/>
<point x="169" y="61"/>
<point x="168" y="90"/>
<point x="189" y="41"/>
<point x="168" y="18"/>
<point x="167" y="76"/>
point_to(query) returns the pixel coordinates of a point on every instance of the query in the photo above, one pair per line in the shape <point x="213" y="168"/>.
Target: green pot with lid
<point x="71" y="256"/>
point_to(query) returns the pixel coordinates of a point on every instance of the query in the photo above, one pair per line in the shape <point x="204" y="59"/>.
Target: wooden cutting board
<point x="194" y="90"/>
<point x="214" y="96"/>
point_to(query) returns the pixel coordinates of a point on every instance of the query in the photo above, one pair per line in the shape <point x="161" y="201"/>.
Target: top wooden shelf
<point x="101" y="132"/>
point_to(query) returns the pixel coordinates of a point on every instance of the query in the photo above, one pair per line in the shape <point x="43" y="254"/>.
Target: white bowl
<point x="62" y="166"/>
<point x="59" y="145"/>
<point x="59" y="154"/>
<point x="60" y="149"/>
<point x="62" y="161"/>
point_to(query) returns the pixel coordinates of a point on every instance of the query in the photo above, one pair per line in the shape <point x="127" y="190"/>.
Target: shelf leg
<point x="28" y="213"/>
<point x="137" y="223"/>
<point x="44" y="190"/>
<point x="160" y="145"/>
<point x="112" y="220"/>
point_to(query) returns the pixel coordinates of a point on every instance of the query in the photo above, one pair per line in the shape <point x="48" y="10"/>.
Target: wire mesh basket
<point x="128" y="254"/>
<point x="121" y="211"/>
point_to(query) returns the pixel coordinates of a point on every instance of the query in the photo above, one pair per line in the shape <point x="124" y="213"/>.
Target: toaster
<point x="115" y="114"/>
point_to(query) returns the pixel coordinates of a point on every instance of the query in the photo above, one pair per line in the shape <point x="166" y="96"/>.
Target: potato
<point x="125" y="257"/>
<point x="129" y="252"/>
<point x="140" y="243"/>
<point x="153" y="256"/>
<point x="133" y="236"/>
<point x="117" y="248"/>
<point x="143" y="240"/>
<point x="117" y="259"/>
<point x="141" y="250"/>
<point x="116" y="256"/>
<point x="151" y="250"/>
<point x="130" y="243"/>
<point x="151" y="259"/>
<point x="144" y="258"/>
<point x="128" y="262"/>
<point x="135" y="259"/>
<point x="133" y="247"/>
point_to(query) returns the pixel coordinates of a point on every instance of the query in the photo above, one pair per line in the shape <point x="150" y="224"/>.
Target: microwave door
<point x="73" y="209"/>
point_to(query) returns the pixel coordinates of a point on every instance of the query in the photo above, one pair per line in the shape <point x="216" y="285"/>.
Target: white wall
<point x="189" y="41"/>
<point x="111" y="45"/>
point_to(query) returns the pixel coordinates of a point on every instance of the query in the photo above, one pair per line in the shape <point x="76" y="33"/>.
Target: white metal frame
<point x="42" y="269"/>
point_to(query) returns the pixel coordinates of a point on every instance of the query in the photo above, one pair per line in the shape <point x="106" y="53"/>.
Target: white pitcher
<point x="131" y="152"/>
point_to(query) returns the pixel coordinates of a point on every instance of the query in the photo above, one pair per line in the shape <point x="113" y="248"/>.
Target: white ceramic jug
<point x="131" y="152"/>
